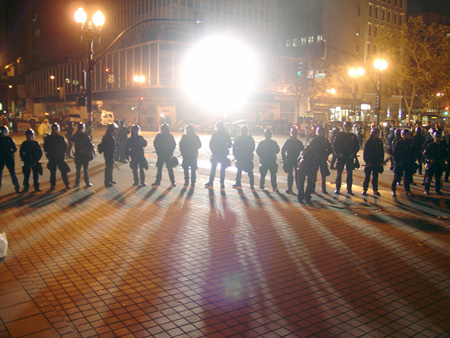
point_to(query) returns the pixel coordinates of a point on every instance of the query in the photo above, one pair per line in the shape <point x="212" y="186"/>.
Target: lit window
<point x="303" y="41"/>
<point x="310" y="39"/>
<point x="319" y="38"/>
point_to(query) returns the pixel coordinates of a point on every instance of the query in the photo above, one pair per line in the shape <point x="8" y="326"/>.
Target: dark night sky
<point x="439" y="6"/>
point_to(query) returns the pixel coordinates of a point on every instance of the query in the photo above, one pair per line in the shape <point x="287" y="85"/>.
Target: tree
<point x="418" y="61"/>
<point x="303" y="86"/>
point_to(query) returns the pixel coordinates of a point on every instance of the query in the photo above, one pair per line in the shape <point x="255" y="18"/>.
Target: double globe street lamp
<point x="92" y="31"/>
<point x="139" y="79"/>
<point x="380" y="65"/>
<point x="89" y="32"/>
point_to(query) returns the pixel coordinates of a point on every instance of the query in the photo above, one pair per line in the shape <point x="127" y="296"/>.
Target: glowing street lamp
<point x="89" y="32"/>
<point x="139" y="79"/>
<point x="354" y="73"/>
<point x="379" y="65"/>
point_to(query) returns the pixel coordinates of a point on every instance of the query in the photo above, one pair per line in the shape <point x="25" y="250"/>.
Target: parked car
<point x="74" y="118"/>
<point x="103" y="117"/>
<point x="277" y="126"/>
<point x="180" y="125"/>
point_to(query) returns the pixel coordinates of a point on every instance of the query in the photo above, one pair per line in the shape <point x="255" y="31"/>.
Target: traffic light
<point x="300" y="71"/>
<point x="141" y="103"/>
<point x="446" y="109"/>
<point x="81" y="100"/>
<point x="109" y="76"/>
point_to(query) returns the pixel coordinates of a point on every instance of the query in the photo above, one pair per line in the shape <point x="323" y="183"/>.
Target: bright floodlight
<point x="98" y="18"/>
<point x="219" y="73"/>
<point x="80" y="16"/>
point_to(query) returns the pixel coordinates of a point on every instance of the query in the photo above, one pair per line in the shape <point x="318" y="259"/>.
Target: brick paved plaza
<point x="195" y="262"/>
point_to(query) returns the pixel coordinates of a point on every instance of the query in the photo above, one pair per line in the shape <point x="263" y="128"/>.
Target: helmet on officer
<point x="244" y="130"/>
<point x="437" y="134"/>
<point x="348" y="125"/>
<point x="406" y="133"/>
<point x="294" y="132"/>
<point x="220" y="126"/>
<point x="164" y="128"/>
<point x="81" y="127"/>
<point x="267" y="133"/>
<point x="55" y="128"/>
<point x="190" y="129"/>
<point x="29" y="134"/>
<point x="135" y="129"/>
<point x="320" y="131"/>
<point x="4" y="130"/>
<point x="111" y="127"/>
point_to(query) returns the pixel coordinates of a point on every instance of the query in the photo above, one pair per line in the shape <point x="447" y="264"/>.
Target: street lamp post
<point x="139" y="79"/>
<point x="379" y="65"/>
<point x="93" y="31"/>
<point x="355" y="73"/>
<point x="89" y="32"/>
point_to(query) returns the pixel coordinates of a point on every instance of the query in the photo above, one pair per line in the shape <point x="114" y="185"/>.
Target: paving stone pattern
<point x="196" y="262"/>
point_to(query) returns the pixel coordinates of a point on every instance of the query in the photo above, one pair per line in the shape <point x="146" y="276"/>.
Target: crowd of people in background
<point x="408" y="150"/>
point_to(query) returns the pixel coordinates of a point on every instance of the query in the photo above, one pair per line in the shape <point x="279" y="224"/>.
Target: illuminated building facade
<point x="339" y="33"/>
<point x="154" y="50"/>
<point x="342" y="33"/>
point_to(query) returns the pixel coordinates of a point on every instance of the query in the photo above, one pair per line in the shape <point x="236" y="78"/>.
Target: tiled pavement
<point x="161" y="262"/>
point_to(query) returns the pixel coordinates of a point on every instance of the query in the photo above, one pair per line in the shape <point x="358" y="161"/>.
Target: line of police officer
<point x="301" y="164"/>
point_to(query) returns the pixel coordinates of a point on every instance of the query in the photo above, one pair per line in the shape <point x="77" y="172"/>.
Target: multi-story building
<point x="343" y="33"/>
<point x="325" y="36"/>
<point x="55" y="60"/>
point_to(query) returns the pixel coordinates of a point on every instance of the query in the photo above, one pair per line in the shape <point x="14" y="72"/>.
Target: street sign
<point x="310" y="74"/>
<point x="320" y="75"/>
